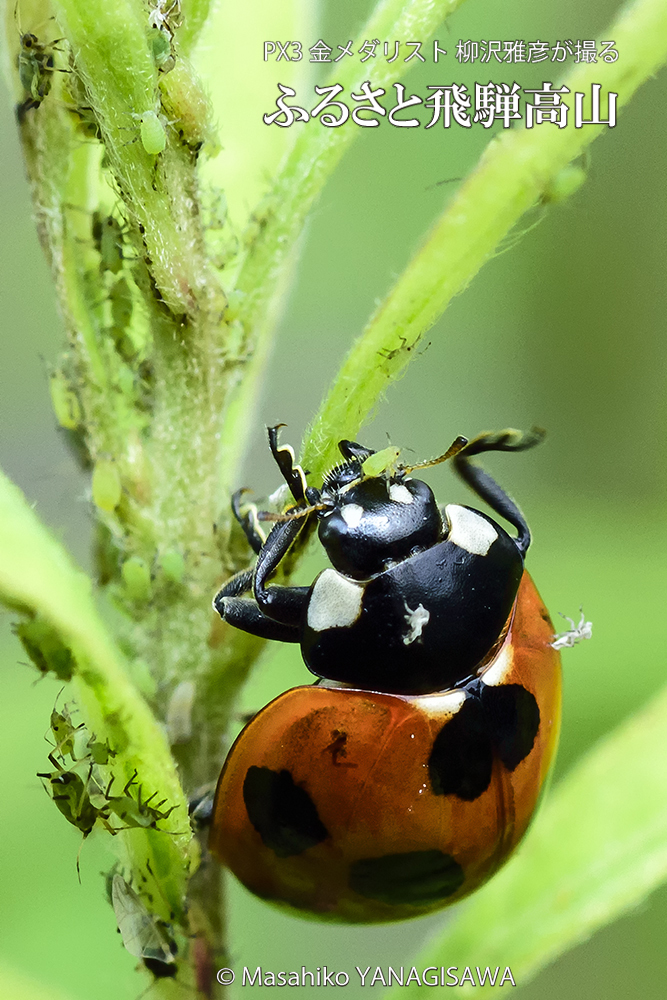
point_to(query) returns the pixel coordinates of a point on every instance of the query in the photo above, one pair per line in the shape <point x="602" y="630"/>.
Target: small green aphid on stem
<point x="160" y="45"/>
<point x="36" y="66"/>
<point x="108" y="234"/>
<point x="144" y="935"/>
<point x="152" y="132"/>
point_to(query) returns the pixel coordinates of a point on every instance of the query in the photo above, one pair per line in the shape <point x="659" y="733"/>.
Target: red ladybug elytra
<point x="406" y="778"/>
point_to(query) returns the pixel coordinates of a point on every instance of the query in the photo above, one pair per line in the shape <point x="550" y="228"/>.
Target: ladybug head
<point x="367" y="522"/>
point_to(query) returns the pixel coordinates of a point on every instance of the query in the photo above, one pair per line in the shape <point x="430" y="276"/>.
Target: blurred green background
<point x="566" y="329"/>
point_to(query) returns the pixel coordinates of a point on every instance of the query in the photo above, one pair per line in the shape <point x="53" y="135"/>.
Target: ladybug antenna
<point x="290" y="515"/>
<point x="454" y="448"/>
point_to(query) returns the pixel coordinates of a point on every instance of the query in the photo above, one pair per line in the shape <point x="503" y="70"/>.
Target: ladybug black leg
<point x="486" y="487"/>
<point x="292" y="473"/>
<point x="246" y="515"/>
<point x="283" y="604"/>
<point x="244" y="614"/>
<point x="276" y="612"/>
<point x="238" y="584"/>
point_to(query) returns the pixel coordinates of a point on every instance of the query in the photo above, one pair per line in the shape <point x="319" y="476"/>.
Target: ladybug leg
<point x="244" y="614"/>
<point x="292" y="473"/>
<point x="238" y="584"/>
<point x="246" y="515"/>
<point x="486" y="487"/>
<point x="283" y="604"/>
<point x="276" y="612"/>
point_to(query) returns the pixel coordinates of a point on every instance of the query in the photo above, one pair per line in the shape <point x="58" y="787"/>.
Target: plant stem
<point x="514" y="171"/>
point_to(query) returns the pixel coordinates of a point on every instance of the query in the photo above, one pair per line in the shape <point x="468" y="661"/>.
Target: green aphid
<point x="64" y="731"/>
<point x="106" y="485"/>
<point x="144" y="935"/>
<point x="566" y="182"/>
<point x="161" y="48"/>
<point x="108" y="234"/>
<point x="188" y="107"/>
<point x="235" y="300"/>
<point x="137" y="579"/>
<point x="122" y="307"/>
<point x="75" y="92"/>
<point x="88" y="122"/>
<point x="100" y="753"/>
<point x="69" y="791"/>
<point x="152" y="132"/>
<point x="106" y="554"/>
<point x="36" y="66"/>
<point x="381" y="461"/>
<point x="172" y="565"/>
<point x="65" y="402"/>
<point x="122" y="303"/>
<point x="45" y="648"/>
<point x="135" y="813"/>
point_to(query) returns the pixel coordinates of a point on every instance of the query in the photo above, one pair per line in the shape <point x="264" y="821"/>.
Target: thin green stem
<point x="514" y="171"/>
<point x="317" y="152"/>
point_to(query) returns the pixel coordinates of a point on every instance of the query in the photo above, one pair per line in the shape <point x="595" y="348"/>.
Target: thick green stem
<point x="37" y="578"/>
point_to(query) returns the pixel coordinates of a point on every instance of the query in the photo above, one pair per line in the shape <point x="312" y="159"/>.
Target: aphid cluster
<point x="110" y="237"/>
<point x="82" y="790"/>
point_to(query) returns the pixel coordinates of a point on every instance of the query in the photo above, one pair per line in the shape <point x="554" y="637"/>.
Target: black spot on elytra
<point x="413" y="877"/>
<point x="514" y="718"/>
<point x="493" y="721"/>
<point x="283" y="814"/>
<point x="462" y="757"/>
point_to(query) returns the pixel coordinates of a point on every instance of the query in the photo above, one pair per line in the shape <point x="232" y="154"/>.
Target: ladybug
<point x="407" y="774"/>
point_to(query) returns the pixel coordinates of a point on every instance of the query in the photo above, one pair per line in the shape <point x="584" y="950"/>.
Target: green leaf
<point x="598" y="849"/>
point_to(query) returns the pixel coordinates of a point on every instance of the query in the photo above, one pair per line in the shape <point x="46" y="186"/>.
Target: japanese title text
<point x="449" y="105"/>
<point x="466" y="51"/>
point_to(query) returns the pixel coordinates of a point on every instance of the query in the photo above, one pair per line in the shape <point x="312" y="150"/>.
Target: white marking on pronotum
<point x="575" y="633"/>
<point x="500" y="668"/>
<point x="352" y="513"/>
<point x="335" y="601"/>
<point x="416" y="620"/>
<point x="469" y="530"/>
<point x="400" y="494"/>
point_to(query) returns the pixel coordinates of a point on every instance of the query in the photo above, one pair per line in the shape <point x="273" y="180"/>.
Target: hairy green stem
<point x="315" y="155"/>
<point x="514" y="172"/>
